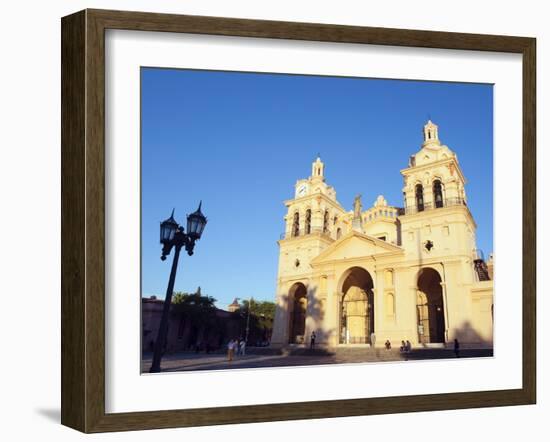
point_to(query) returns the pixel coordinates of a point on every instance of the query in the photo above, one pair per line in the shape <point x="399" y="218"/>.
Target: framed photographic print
<point x="340" y="218"/>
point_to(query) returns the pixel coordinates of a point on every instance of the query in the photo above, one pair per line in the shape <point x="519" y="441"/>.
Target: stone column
<point x="445" y="310"/>
<point x="312" y="309"/>
<point x="379" y="322"/>
<point x="325" y="309"/>
<point x="317" y="213"/>
<point x="451" y="188"/>
<point x="281" y="321"/>
<point x="457" y="299"/>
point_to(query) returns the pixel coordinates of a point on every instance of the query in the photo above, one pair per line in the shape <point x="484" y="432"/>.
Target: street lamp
<point x="172" y="235"/>
<point x="248" y="320"/>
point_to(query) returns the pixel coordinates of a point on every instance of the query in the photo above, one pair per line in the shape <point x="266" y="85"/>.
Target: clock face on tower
<point x="301" y="191"/>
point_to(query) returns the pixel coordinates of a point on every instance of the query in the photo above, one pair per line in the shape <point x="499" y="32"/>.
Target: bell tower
<point x="431" y="136"/>
<point x="434" y="178"/>
<point x="314" y="220"/>
<point x="318" y="170"/>
<point x="435" y="198"/>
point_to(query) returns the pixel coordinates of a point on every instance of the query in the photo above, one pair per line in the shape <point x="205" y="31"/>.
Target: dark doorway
<point x="297" y="302"/>
<point x="430" y="307"/>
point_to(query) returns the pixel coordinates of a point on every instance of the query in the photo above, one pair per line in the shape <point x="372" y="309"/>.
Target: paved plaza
<point x="190" y="361"/>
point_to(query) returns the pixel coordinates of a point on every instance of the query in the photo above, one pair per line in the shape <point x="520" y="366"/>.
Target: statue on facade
<point x="357" y="206"/>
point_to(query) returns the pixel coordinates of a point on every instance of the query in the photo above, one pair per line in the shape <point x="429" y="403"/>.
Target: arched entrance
<point x="297" y="304"/>
<point x="430" y="308"/>
<point x="356" y="307"/>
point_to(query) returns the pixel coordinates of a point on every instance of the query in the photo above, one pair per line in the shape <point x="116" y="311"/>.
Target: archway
<point x="419" y="196"/>
<point x="430" y="307"/>
<point x="297" y="303"/>
<point x="356" y="307"/>
<point x="437" y="194"/>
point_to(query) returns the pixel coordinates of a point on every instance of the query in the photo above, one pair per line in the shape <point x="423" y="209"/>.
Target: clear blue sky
<point x="239" y="142"/>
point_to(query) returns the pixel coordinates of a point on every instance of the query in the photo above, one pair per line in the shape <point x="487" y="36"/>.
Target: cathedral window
<point x="325" y="222"/>
<point x="438" y="194"/>
<point x="308" y="222"/>
<point x="419" y="194"/>
<point x="338" y="233"/>
<point x="296" y="224"/>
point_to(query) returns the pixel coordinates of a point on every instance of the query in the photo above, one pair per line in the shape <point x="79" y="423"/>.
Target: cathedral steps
<point x="348" y="354"/>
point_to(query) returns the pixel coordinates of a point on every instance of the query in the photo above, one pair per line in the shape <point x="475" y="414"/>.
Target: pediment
<point x="355" y="245"/>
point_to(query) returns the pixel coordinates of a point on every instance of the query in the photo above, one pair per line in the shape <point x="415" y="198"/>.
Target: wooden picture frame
<point x="83" y="220"/>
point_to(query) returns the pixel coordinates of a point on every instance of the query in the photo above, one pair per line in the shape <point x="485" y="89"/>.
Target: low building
<point x="186" y="334"/>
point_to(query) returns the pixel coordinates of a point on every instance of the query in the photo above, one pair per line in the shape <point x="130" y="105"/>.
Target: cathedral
<point x="364" y="277"/>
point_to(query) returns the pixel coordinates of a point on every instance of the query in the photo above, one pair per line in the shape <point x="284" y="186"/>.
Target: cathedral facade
<point x="362" y="277"/>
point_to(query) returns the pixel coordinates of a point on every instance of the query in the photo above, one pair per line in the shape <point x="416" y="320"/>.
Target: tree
<point x="198" y="311"/>
<point x="260" y="322"/>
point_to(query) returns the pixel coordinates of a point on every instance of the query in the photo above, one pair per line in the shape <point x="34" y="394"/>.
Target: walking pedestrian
<point x="242" y="346"/>
<point x="372" y="340"/>
<point x="388" y="344"/>
<point x="457" y="348"/>
<point x="312" y="340"/>
<point x="237" y="346"/>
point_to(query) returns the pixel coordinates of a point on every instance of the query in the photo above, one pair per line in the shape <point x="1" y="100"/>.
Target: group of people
<point x="405" y="347"/>
<point x="236" y="347"/>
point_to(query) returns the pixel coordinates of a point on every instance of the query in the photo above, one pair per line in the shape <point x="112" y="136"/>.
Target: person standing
<point x="312" y="340"/>
<point x="457" y="348"/>
<point x="242" y="346"/>
<point x="372" y="340"/>
<point x="407" y="349"/>
<point x="230" y="350"/>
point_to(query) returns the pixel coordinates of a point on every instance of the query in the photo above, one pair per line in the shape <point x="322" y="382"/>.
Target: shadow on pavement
<point x="306" y="357"/>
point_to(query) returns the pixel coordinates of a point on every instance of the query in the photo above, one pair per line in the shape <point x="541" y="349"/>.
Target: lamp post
<point x="248" y="320"/>
<point x="172" y="235"/>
